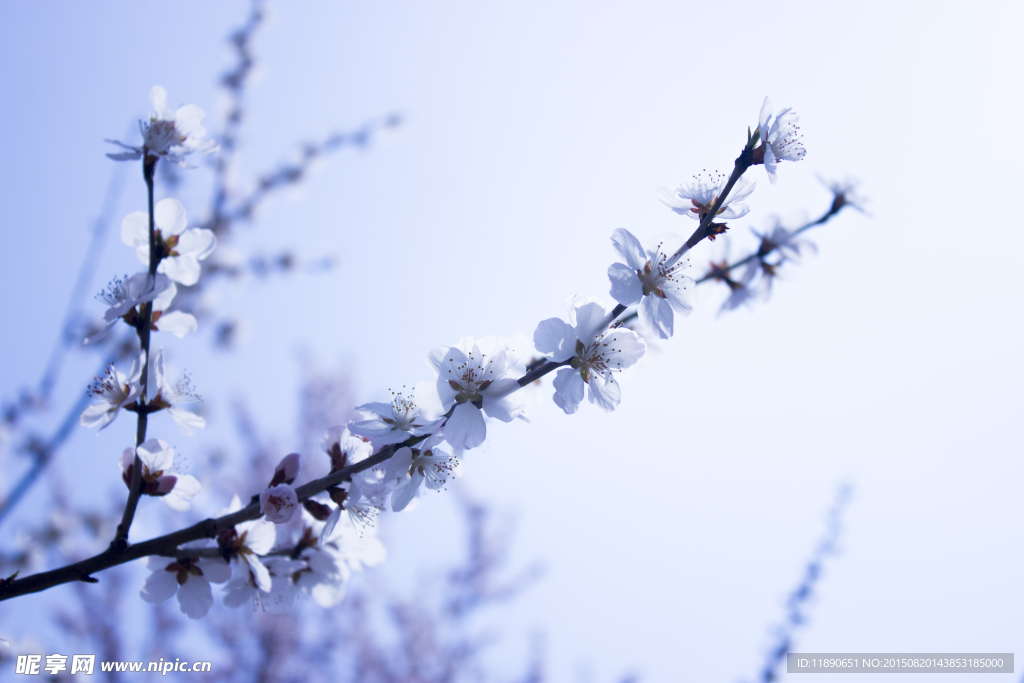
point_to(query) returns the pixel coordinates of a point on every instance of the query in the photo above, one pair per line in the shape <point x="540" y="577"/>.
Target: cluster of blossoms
<point x="310" y="542"/>
<point x="268" y="562"/>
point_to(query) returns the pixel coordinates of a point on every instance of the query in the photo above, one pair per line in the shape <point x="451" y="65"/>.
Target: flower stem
<point x="120" y="542"/>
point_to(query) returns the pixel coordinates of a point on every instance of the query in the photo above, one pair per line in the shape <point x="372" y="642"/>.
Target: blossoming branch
<point x="414" y="440"/>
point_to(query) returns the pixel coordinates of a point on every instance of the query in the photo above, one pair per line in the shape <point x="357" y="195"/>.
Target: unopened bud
<point x="318" y="510"/>
<point x="287" y="469"/>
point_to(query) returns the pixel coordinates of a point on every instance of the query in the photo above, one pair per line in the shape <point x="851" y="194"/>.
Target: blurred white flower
<point x="189" y="577"/>
<point x="343" y="448"/>
<point x="359" y="500"/>
<point x="277" y="597"/>
<point x="787" y="243"/>
<point x="654" y="278"/>
<point x="324" y="576"/>
<point x="414" y="466"/>
<point x="393" y="422"/>
<point x="695" y="198"/>
<point x="594" y="352"/>
<point x="114" y="390"/>
<point x="845" y="193"/>
<point x="741" y="291"/>
<point x="168" y="134"/>
<point x="780" y="137"/>
<point x="182" y="249"/>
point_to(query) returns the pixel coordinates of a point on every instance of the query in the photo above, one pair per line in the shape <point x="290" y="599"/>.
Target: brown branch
<point x="167" y="545"/>
<point x="120" y="542"/>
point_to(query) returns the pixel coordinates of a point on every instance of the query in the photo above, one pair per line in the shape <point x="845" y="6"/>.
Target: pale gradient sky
<point x="673" y="528"/>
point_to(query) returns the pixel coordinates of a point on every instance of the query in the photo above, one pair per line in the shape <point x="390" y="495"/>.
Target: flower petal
<point x="629" y="246"/>
<point x="161" y="584"/>
<point x="590" y="319"/>
<point x="135" y="230"/>
<point x="605" y="393"/>
<point x="183" y="269"/>
<point x="501" y="402"/>
<point x="626" y="286"/>
<point x="177" y="323"/>
<point x="260" y="574"/>
<point x="169" y="216"/>
<point x="156" y="455"/>
<point x="465" y="429"/>
<point x="195" y="597"/>
<point x="568" y="390"/>
<point x="406" y="491"/>
<point x="629" y="346"/>
<point x="557" y="337"/>
<point x="215" y="570"/>
<point x="656" y="315"/>
<point x="185" y="489"/>
<point x="196" y="242"/>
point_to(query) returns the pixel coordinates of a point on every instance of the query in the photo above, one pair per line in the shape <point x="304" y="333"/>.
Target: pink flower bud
<point x="279" y="503"/>
<point x="287" y="469"/>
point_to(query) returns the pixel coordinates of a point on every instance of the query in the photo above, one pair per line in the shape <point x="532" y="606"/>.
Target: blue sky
<point x="672" y="528"/>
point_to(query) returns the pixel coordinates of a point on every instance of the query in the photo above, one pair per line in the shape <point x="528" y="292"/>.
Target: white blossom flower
<point x="787" y="243"/>
<point x="189" y="577"/>
<point x="158" y="478"/>
<point x="324" y="576"/>
<point x="246" y="541"/>
<point x="741" y="291"/>
<point x="780" y="137"/>
<point x="393" y="422"/>
<point x="471" y="377"/>
<point x="182" y="249"/>
<point x="114" y="390"/>
<point x="654" y="278"/>
<point x="168" y="134"/>
<point x="356" y="498"/>
<point x="278" y="597"/>
<point x="594" y="352"/>
<point x="170" y="397"/>
<point x="279" y="503"/>
<point x="124" y="295"/>
<point x="354" y="548"/>
<point x="695" y="198"/>
<point x="343" y="448"/>
<point x="345" y="549"/>
<point x="414" y="466"/>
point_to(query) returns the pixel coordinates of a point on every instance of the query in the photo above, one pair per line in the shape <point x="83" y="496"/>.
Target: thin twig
<point x="166" y="545"/>
<point x="120" y="542"/>
<point x="833" y="210"/>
